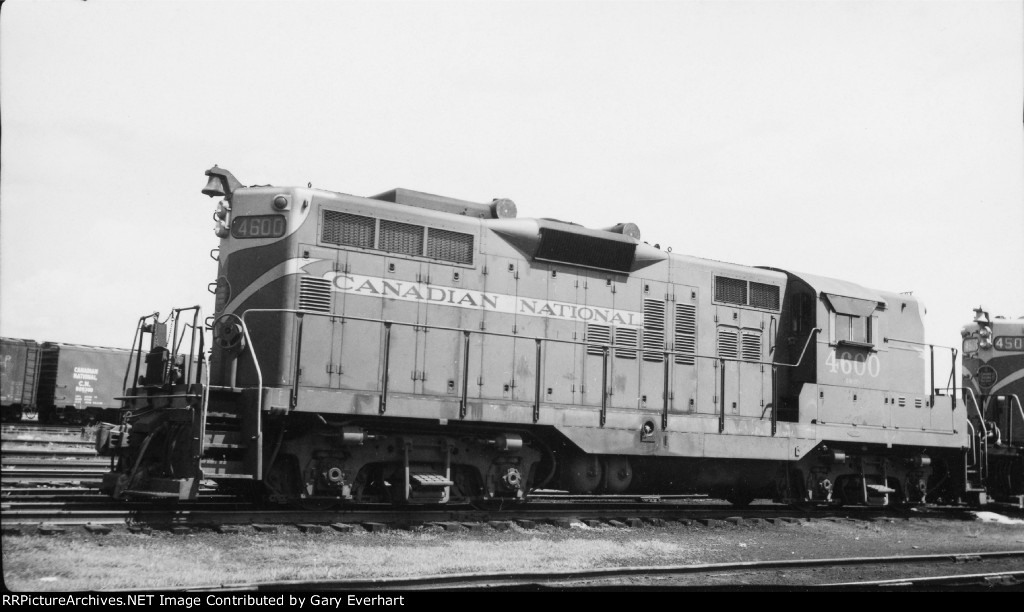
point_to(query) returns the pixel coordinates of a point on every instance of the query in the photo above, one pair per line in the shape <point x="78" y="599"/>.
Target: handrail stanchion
<point x="259" y="395"/>
<point x="1020" y="409"/>
<point x="775" y="399"/>
<point x="298" y="363"/>
<point x="665" y="393"/>
<point x="721" y="396"/>
<point x="604" y="384"/>
<point x="537" y="385"/>
<point x="384" y="374"/>
<point x="463" y="401"/>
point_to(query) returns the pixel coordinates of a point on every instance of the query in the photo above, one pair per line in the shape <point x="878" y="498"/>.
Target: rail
<point x="606" y="349"/>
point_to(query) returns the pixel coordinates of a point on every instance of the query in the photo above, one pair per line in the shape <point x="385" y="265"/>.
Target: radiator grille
<point x="764" y="296"/>
<point x="450" y="246"/>
<point x="751" y="346"/>
<point x="401" y="238"/>
<point x="349" y="230"/>
<point x="601" y="334"/>
<point x="315" y="294"/>
<point x="730" y="290"/>
<point x="728" y="343"/>
<point x="626" y="337"/>
<point x="686" y="333"/>
<point x="654" y="330"/>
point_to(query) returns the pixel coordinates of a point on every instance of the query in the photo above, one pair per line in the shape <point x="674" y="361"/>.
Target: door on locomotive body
<point x="596" y="294"/>
<point x="728" y="339"/>
<point x="653" y="342"/>
<point x="496" y="346"/>
<point x="358" y="342"/>
<point x="626" y="316"/>
<point x="405" y="355"/>
<point x="562" y="355"/>
<point x="319" y="342"/>
<point x="441" y="358"/>
<point x="683" y="327"/>
<point x="753" y="387"/>
<point x="531" y="287"/>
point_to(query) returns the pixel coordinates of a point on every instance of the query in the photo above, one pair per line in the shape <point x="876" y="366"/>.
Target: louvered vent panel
<point x="728" y="343"/>
<point x="654" y="330"/>
<point x="764" y="296"/>
<point x="349" y="230"/>
<point x="626" y="337"/>
<point x="686" y="333"/>
<point x="450" y="246"/>
<point x="315" y="294"/>
<point x="401" y="238"/>
<point x="751" y="346"/>
<point x="730" y="290"/>
<point x="601" y="334"/>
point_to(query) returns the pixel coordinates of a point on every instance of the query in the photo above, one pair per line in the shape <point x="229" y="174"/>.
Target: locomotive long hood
<point x="575" y="245"/>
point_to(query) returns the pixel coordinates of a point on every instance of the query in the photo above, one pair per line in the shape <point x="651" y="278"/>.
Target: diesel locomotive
<point x="993" y="383"/>
<point x="411" y="348"/>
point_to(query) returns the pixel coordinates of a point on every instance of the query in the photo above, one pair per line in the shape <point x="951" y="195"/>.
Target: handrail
<point x="176" y="345"/>
<point x="138" y="353"/>
<point x="203" y="410"/>
<point x="1020" y="409"/>
<point x="983" y="469"/>
<point x="606" y="349"/>
<point x="816" y="330"/>
<point x="974" y="449"/>
<point x="977" y="408"/>
<point x="609" y="346"/>
<point x="259" y="375"/>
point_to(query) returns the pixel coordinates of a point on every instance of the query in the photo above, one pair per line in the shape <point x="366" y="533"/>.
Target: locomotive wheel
<point x="618" y="474"/>
<point x="583" y="474"/>
<point x="739" y="497"/>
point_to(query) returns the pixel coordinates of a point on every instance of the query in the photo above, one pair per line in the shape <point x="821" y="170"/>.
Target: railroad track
<point x="988" y="569"/>
<point x="48" y="454"/>
<point x="27" y="513"/>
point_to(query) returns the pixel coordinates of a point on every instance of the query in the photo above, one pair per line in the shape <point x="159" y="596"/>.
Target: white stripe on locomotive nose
<point x="1012" y="378"/>
<point x="285" y="268"/>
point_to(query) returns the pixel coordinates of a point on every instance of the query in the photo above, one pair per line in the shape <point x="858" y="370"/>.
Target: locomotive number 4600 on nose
<point x="853" y="364"/>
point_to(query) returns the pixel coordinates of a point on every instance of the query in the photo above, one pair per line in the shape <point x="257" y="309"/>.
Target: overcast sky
<point x="876" y="142"/>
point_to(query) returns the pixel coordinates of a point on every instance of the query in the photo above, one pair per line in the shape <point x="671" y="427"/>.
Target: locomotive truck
<point x="412" y="348"/>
